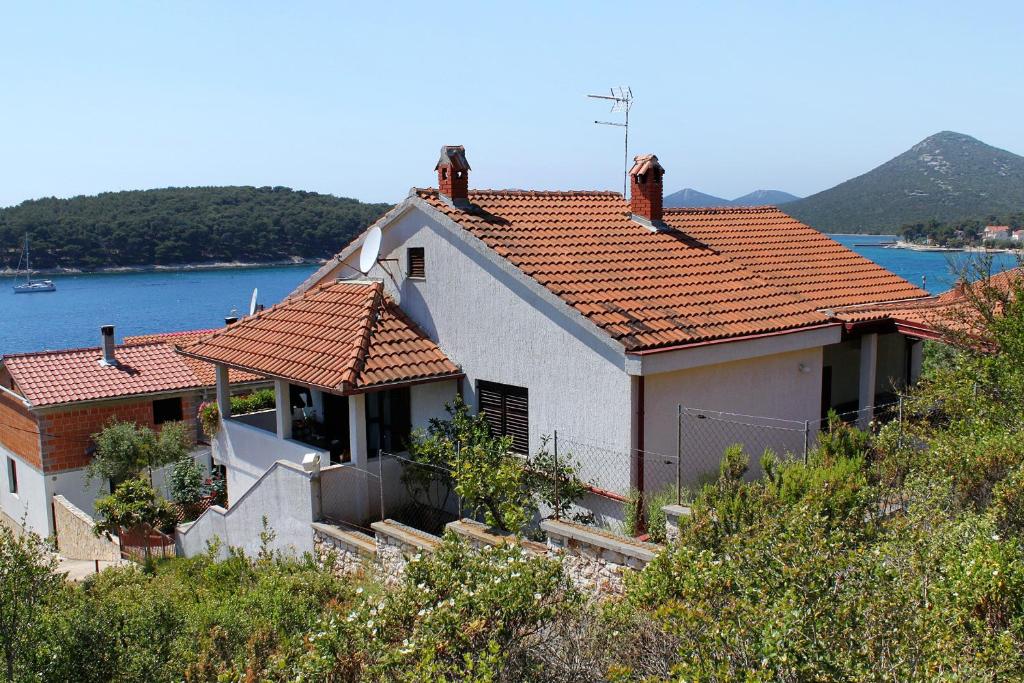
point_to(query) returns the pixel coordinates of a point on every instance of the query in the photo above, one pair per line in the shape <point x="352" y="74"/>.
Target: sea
<point x="166" y="301"/>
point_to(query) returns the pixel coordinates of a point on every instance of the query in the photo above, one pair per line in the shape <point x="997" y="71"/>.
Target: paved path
<point x="78" y="570"/>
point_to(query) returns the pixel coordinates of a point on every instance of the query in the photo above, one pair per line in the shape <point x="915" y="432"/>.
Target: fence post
<point x="807" y="436"/>
<point x="558" y="502"/>
<point x="380" y="482"/>
<point x="899" y="416"/>
<point x="679" y="454"/>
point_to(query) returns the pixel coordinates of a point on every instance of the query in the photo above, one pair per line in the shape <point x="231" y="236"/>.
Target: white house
<point x="586" y="313"/>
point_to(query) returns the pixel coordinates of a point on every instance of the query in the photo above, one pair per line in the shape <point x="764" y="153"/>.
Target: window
<point x="417" y="262"/>
<point x="388" y="422"/>
<point x="166" y="410"/>
<point x="12" y="475"/>
<point x="506" y="409"/>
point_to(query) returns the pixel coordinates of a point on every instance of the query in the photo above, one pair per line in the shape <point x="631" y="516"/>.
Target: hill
<point x="764" y="198"/>
<point x="946" y="177"/>
<point x="689" y="197"/>
<point x="181" y="225"/>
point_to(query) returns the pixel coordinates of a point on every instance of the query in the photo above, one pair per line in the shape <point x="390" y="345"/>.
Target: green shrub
<point x="262" y="399"/>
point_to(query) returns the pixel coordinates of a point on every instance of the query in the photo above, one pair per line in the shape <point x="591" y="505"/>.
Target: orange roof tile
<point x="792" y="255"/>
<point x="206" y="372"/>
<point x="645" y="288"/>
<point x="54" y="377"/>
<point x="343" y="336"/>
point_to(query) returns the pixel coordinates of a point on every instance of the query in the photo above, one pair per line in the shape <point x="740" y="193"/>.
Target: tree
<point x="505" y="488"/>
<point x="133" y="504"/>
<point x="124" y="449"/>
<point x="28" y="583"/>
<point x="185" y="481"/>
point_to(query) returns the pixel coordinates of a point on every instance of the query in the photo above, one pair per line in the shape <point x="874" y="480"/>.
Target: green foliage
<point x="263" y="399"/>
<point x="182" y="225"/>
<point x="133" y="504"/>
<point x="124" y="449"/>
<point x="504" y="488"/>
<point x="29" y="586"/>
<point x="209" y="418"/>
<point x="185" y="482"/>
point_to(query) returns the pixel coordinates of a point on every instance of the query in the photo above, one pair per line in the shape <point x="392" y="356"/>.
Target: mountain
<point x="947" y="177"/>
<point x="689" y="197"/>
<point x="182" y="225"/>
<point x="764" y="198"/>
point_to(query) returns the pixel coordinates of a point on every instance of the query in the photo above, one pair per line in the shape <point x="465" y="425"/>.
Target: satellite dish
<point x="370" y="251"/>
<point x="252" y="301"/>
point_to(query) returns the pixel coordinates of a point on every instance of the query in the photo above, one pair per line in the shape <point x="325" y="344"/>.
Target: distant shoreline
<point x="177" y="267"/>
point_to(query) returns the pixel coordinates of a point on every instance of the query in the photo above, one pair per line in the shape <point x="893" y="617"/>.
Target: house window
<point x="388" y="421"/>
<point x="167" y="410"/>
<point x="417" y="262"/>
<point x="12" y="475"/>
<point x="507" y="410"/>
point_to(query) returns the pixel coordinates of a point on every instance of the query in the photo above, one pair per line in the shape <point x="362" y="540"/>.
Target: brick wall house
<point x="52" y="402"/>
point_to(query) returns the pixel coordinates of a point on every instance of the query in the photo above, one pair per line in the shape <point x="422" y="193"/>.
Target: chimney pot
<point x="453" y="174"/>
<point x="646" y="192"/>
<point x="107" y="344"/>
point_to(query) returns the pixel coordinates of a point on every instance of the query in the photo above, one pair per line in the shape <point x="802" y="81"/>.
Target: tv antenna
<point x="622" y="101"/>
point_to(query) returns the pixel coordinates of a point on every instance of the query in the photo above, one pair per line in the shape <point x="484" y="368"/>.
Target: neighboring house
<point x="1018" y="235"/>
<point x="52" y="402"/>
<point x="997" y="232"/>
<point x="581" y="312"/>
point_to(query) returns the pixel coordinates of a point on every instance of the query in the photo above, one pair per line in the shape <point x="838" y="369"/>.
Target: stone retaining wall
<point x="75" y="539"/>
<point x="596" y="560"/>
<point x="478" y="535"/>
<point x="672" y="515"/>
<point x="396" y="545"/>
<point x="346" y="552"/>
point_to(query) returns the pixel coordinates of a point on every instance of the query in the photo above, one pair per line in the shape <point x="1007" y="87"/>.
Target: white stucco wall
<point x="498" y="329"/>
<point x="892" y="363"/>
<point x="247" y="452"/>
<point x="30" y="505"/>
<point x="285" y="495"/>
<point x="771" y="386"/>
<point x="426" y="401"/>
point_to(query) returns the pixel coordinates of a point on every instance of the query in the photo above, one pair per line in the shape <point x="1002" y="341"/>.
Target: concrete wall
<point x="428" y="400"/>
<point x="499" y="329"/>
<point x="75" y="538"/>
<point x="248" y="452"/>
<point x="286" y="495"/>
<point x="844" y="358"/>
<point x="892" y="363"/>
<point x="786" y="386"/>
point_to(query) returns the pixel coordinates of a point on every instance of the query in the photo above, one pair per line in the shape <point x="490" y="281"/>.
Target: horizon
<point x="355" y="103"/>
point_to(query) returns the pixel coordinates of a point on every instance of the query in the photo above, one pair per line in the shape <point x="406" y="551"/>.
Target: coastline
<point x="169" y="268"/>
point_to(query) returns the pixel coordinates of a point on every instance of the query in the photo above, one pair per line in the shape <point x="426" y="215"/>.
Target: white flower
<point x="537" y="596"/>
<point x="421" y="612"/>
<point x="422" y="586"/>
<point x="369" y="624"/>
<point x="359" y="590"/>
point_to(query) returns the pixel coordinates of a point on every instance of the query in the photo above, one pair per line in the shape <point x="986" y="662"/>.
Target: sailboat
<point x="30" y="286"/>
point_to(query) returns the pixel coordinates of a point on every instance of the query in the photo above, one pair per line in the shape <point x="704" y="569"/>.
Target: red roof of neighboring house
<point x="53" y="377"/>
<point x="343" y="336"/>
<point x="206" y="372"/>
<point x="720" y="273"/>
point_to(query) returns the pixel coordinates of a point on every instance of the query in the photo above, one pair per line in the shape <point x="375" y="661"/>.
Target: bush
<point x="262" y="399"/>
<point x="185" y="482"/>
<point x="133" y="504"/>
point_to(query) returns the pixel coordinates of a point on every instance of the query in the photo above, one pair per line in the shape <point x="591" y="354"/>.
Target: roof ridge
<point x="363" y="350"/>
<point x="534" y="193"/>
<point x="78" y="349"/>
<point x="698" y="210"/>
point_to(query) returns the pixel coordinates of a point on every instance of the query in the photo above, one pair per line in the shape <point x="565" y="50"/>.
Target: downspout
<point x="642" y="518"/>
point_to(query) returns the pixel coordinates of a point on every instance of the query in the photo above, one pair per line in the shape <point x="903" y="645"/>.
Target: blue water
<point x="135" y="303"/>
<point x="144" y="303"/>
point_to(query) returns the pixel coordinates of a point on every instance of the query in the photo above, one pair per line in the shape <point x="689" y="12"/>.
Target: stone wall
<point x="345" y="552"/>
<point x="478" y="535"/>
<point x="596" y="560"/>
<point x="396" y="545"/>
<point x="75" y="539"/>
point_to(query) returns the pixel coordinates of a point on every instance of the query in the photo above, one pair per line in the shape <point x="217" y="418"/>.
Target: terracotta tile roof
<point x="53" y="377"/>
<point x="343" y="336"/>
<point x="644" y="288"/>
<point x="793" y="256"/>
<point x="206" y="372"/>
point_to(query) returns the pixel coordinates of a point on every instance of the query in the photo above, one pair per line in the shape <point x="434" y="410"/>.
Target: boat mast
<point x="28" y="264"/>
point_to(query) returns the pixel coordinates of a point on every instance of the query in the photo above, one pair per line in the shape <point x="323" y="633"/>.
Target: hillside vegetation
<point x="181" y="225"/>
<point x="947" y="177"/>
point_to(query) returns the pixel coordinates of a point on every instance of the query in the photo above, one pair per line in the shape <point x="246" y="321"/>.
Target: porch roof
<point x="345" y="337"/>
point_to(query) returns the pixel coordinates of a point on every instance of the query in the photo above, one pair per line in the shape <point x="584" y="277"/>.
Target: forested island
<point x="186" y="225"/>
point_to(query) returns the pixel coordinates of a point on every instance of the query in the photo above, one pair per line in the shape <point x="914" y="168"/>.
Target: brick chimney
<point x="645" y="191"/>
<point x="453" y="174"/>
<point x="107" y="345"/>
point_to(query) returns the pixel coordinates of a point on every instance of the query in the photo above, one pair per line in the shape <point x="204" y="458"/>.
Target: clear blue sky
<point x="356" y="99"/>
